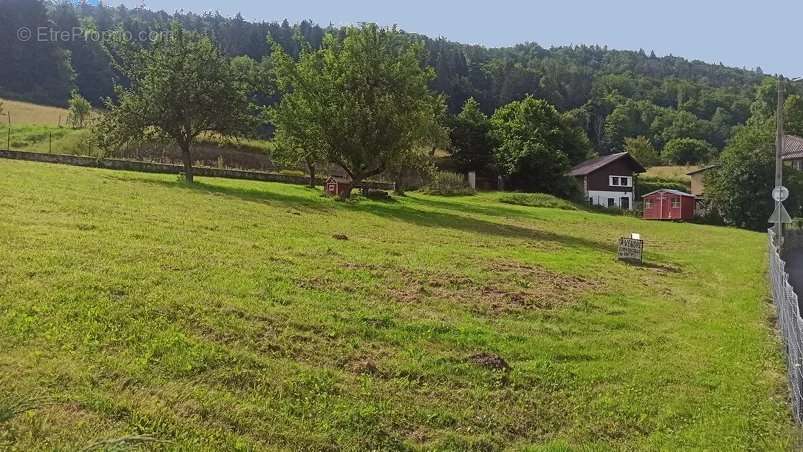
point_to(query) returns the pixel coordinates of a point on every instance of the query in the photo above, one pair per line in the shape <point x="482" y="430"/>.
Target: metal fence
<point x="790" y="324"/>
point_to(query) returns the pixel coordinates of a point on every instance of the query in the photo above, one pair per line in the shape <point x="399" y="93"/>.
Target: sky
<point x="737" y="33"/>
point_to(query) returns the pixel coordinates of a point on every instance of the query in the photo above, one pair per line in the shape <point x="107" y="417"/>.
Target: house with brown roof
<point x="793" y="151"/>
<point x="608" y="181"/>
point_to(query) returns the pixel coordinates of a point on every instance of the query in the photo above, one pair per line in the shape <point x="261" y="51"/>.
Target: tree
<point x="641" y="149"/>
<point x="472" y="145"/>
<point x="362" y="101"/>
<point x="419" y="161"/>
<point x="793" y="115"/>
<point x="180" y="88"/>
<point x="740" y="189"/>
<point x="79" y="110"/>
<point x="32" y="68"/>
<point x="630" y="119"/>
<point x="687" y="151"/>
<point x="536" y="146"/>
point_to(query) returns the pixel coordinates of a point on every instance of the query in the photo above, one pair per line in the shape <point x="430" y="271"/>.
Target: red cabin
<point x="335" y="186"/>
<point x="668" y="204"/>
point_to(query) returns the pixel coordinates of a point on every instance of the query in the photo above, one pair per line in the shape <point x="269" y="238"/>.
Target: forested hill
<point x="612" y="94"/>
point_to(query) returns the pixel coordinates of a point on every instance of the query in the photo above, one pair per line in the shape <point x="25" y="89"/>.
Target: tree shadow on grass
<point x="499" y="210"/>
<point x="261" y="196"/>
<point x="398" y="211"/>
<point x="426" y="218"/>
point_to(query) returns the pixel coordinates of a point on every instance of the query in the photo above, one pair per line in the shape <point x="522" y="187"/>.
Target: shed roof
<point x="792" y="147"/>
<point x="339" y="180"/>
<point x="589" y="166"/>
<point x="703" y="169"/>
<point x="670" y="191"/>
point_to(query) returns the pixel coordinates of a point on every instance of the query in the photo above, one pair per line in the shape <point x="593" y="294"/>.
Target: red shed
<point x="336" y="186"/>
<point x="668" y="204"/>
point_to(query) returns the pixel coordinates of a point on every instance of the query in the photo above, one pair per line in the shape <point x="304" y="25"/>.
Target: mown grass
<point x="227" y="316"/>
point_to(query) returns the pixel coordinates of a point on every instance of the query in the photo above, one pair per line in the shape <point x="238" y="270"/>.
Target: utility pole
<point x="779" y="160"/>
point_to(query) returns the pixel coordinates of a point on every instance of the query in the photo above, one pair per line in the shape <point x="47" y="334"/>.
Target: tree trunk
<point x="311" y="170"/>
<point x="185" y="155"/>
<point x="399" y="183"/>
<point x="354" y="183"/>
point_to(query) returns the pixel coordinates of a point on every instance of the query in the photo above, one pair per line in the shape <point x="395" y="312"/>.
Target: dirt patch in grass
<point x="504" y="287"/>
<point x="490" y="361"/>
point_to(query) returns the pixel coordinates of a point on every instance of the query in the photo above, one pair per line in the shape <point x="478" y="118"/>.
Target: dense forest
<point x="613" y="95"/>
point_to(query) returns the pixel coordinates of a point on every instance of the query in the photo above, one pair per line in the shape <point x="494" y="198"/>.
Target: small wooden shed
<point x="336" y="186"/>
<point x="668" y="204"/>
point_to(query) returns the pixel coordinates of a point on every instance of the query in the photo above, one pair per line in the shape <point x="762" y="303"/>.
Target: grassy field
<point x="41" y="128"/>
<point x="28" y="113"/>
<point x="238" y="315"/>
<point x="679" y="173"/>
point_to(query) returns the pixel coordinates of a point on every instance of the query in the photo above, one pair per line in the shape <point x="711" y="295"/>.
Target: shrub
<point x="537" y="200"/>
<point x="445" y="183"/>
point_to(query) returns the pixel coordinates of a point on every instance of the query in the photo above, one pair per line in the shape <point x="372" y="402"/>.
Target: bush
<point x="445" y="183"/>
<point x="537" y="200"/>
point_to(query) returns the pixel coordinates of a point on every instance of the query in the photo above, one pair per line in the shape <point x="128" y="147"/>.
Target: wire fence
<point x="790" y="324"/>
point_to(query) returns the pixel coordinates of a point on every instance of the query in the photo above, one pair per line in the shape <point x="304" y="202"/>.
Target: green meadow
<point x="238" y="315"/>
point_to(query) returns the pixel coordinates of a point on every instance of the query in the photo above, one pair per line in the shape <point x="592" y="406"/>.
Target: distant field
<point x="671" y="172"/>
<point x="237" y="315"/>
<point x="33" y="114"/>
<point x="36" y="128"/>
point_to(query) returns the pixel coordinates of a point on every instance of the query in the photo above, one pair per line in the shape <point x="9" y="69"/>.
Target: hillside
<point x="244" y="315"/>
<point x="611" y="94"/>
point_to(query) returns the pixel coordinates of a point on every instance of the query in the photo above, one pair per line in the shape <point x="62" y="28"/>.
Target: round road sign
<point x="780" y="194"/>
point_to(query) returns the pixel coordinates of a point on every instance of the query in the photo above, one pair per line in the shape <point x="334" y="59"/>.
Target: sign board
<point x="780" y="215"/>
<point x="631" y="250"/>
<point x="780" y="194"/>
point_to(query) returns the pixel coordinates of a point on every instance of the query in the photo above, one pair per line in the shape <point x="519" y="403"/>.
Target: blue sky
<point x="737" y="33"/>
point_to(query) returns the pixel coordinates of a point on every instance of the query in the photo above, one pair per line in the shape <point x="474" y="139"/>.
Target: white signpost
<point x="780" y="215"/>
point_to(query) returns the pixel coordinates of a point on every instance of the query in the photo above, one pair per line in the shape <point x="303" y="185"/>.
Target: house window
<point x="620" y="181"/>
<point x="676" y="203"/>
<point x="611" y="202"/>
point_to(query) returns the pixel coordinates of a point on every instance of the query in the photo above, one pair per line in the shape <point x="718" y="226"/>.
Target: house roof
<point x="589" y="166"/>
<point x="703" y="169"/>
<point x="670" y="191"/>
<point x="792" y="147"/>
